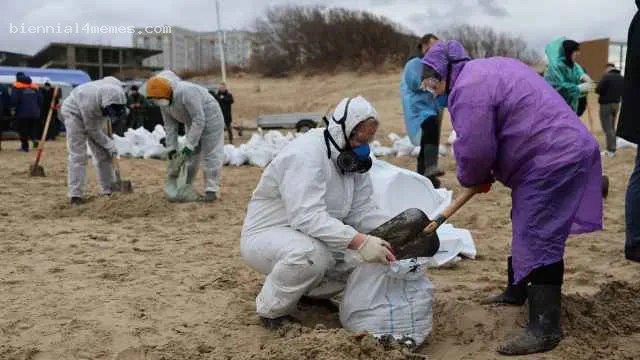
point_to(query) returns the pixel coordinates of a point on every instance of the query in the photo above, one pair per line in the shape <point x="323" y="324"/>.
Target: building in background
<point x="8" y="58"/>
<point x="184" y="49"/>
<point x="595" y="54"/>
<point x="618" y="54"/>
<point x="96" y="60"/>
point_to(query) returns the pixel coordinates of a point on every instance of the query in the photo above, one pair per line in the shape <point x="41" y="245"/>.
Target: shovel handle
<point x="43" y="138"/>
<point x="450" y="210"/>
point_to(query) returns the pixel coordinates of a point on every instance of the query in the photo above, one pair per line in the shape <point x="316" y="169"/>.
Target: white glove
<point x="585" y="87"/>
<point x="113" y="151"/>
<point x="374" y="249"/>
<point x="586" y="78"/>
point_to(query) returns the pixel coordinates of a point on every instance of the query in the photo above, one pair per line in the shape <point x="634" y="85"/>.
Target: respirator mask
<point x="115" y="112"/>
<point x="350" y="159"/>
<point x="161" y="102"/>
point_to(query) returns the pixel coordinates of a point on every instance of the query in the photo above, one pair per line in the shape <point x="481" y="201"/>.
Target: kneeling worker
<point x="311" y="208"/>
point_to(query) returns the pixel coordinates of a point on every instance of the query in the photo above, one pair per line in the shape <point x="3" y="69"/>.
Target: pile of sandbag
<point x="140" y="143"/>
<point x="258" y="151"/>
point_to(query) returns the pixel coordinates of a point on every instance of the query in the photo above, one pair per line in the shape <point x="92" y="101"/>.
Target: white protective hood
<point x="358" y="111"/>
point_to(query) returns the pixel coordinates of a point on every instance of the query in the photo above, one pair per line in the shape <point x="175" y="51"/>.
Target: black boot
<point x="513" y="294"/>
<point x="75" y="201"/>
<point x="543" y="332"/>
<point x="210" y="196"/>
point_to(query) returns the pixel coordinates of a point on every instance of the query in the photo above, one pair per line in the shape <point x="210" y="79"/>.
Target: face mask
<point x="161" y="102"/>
<point x="115" y="112"/>
<point x="355" y="159"/>
<point x="429" y="85"/>
<point x="351" y="159"/>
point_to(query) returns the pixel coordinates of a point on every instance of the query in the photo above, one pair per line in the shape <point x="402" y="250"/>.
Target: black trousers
<point x="227" y="126"/>
<point x="28" y="128"/>
<point x="429" y="144"/>
<point x="546" y="275"/>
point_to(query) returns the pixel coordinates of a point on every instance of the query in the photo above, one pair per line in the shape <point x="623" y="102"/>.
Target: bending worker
<point x="565" y="75"/>
<point x="85" y="112"/>
<point x="192" y="105"/>
<point x="513" y="127"/>
<point x="310" y="212"/>
<point x="422" y="114"/>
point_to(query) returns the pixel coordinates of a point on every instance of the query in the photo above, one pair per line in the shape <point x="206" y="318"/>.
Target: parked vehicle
<point x="302" y="121"/>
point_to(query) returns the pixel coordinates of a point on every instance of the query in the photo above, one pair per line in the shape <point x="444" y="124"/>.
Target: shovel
<point x="120" y="185"/>
<point x="36" y="169"/>
<point x="450" y="210"/>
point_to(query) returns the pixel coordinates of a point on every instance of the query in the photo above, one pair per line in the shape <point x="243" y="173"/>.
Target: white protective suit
<point x="303" y="215"/>
<point x="193" y="106"/>
<point x="85" y="123"/>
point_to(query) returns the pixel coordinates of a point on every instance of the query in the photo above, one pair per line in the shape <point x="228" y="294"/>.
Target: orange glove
<point x="483" y="188"/>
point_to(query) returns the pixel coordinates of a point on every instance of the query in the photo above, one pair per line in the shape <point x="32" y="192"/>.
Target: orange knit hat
<point x="159" y="88"/>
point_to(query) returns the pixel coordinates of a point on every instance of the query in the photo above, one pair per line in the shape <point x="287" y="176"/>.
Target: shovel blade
<point x="405" y="233"/>
<point x="126" y="186"/>
<point x="123" y="186"/>
<point x="37" y="171"/>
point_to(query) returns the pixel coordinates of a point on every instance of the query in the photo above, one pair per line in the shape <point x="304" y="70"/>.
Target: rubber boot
<point x="210" y="196"/>
<point x="431" y="154"/>
<point x="512" y="294"/>
<point x="543" y="332"/>
<point x="75" y="201"/>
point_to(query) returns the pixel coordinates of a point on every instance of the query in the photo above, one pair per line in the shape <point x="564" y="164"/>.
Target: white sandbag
<point x="403" y="147"/>
<point x="391" y="300"/>
<point x="443" y="150"/>
<point x="393" y="137"/>
<point x="396" y="189"/>
<point x="180" y="188"/>
<point x="158" y="133"/>
<point x="228" y="150"/>
<point x="122" y="145"/>
<point x="622" y="143"/>
<point x="156" y="151"/>
<point x="237" y="157"/>
<point x="378" y="150"/>
<point x="452" y="138"/>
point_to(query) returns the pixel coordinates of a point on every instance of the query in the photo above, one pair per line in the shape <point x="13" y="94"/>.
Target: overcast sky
<point x="537" y="21"/>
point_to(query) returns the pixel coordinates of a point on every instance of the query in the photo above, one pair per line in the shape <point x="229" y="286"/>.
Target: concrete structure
<point x="8" y="58"/>
<point x="618" y="54"/>
<point x="184" y="49"/>
<point x="97" y="60"/>
<point x="595" y="54"/>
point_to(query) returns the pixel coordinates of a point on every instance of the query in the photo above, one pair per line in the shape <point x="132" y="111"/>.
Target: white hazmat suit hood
<point x="358" y="111"/>
<point x="304" y="213"/>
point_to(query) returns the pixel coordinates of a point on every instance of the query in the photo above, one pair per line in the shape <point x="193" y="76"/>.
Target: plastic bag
<point x="178" y="186"/>
<point x="122" y="145"/>
<point x="622" y="143"/>
<point x="236" y="157"/>
<point x="378" y="150"/>
<point x="391" y="300"/>
<point x="403" y="147"/>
